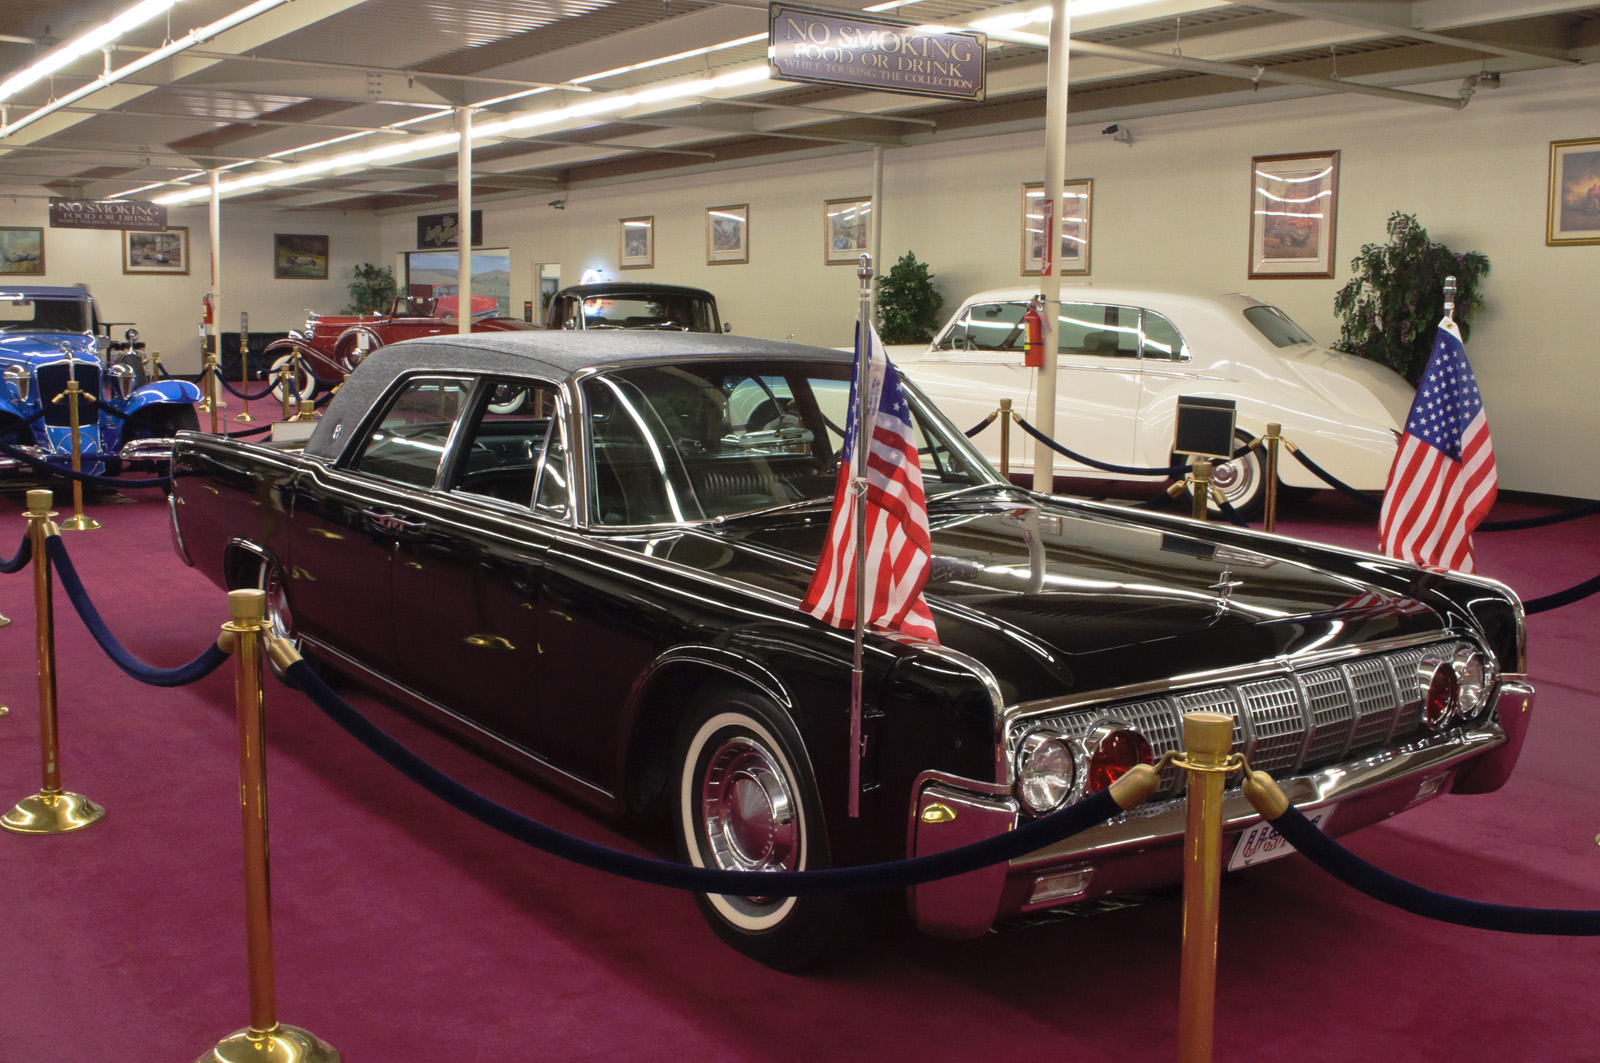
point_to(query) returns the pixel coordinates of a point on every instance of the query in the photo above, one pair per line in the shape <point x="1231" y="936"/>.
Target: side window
<point x="500" y="455"/>
<point x="987" y="327"/>
<point x="553" y="498"/>
<point x="408" y="443"/>
<point x="1161" y="340"/>
<point x="1099" y="330"/>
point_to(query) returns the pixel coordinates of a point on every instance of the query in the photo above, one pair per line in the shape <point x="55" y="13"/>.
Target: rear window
<point x="1279" y="329"/>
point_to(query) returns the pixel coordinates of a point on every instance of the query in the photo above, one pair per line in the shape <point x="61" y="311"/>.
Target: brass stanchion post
<point x="244" y="366"/>
<point x="51" y="810"/>
<point x="1274" y="437"/>
<point x="1005" y="438"/>
<point x="1207" y="738"/>
<point x="76" y="522"/>
<point x="265" y="1040"/>
<point x="1200" y="488"/>
<point x="304" y="409"/>
<point x="283" y="389"/>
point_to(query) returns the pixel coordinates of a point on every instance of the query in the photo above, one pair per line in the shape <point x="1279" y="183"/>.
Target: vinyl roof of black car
<point x="641" y="288"/>
<point x="552" y="354"/>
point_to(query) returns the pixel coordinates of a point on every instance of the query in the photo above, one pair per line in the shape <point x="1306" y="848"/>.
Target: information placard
<point x="887" y="55"/>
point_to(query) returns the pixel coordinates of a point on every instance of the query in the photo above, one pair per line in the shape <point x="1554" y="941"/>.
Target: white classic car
<point x="1128" y="354"/>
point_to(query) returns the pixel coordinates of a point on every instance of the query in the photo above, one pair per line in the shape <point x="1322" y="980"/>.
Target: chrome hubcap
<point x="748" y="810"/>
<point x="1235" y="479"/>
<point x="279" y="622"/>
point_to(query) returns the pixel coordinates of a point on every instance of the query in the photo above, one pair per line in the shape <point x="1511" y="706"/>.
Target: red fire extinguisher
<point x="1033" y="357"/>
<point x="206" y="309"/>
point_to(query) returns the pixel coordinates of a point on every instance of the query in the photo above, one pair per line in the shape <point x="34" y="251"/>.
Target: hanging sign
<point x="887" y="55"/>
<point x="132" y="214"/>
<point x="444" y="230"/>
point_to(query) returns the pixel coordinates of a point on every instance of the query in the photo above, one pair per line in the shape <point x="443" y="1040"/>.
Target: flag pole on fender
<point x="858" y="485"/>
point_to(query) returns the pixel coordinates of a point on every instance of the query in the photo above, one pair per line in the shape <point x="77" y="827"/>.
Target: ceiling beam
<point x="1394" y="19"/>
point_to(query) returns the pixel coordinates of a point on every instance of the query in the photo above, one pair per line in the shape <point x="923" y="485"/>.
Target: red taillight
<point x="1112" y="754"/>
<point x="1442" y="697"/>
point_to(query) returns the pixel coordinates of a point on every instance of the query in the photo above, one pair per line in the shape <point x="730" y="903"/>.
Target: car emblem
<point x="1224" y="588"/>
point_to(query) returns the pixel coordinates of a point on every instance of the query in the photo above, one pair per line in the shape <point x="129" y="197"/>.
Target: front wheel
<point x="746" y="802"/>
<point x="305" y="386"/>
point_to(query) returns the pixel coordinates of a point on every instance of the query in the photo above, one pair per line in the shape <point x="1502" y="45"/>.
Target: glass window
<point x="501" y="455"/>
<point x="1276" y="326"/>
<point x="683" y="313"/>
<point x="1095" y="329"/>
<point x="409" y="443"/>
<point x="553" y="498"/>
<point x="987" y="327"/>
<point x="1161" y="339"/>
<point x="58" y="315"/>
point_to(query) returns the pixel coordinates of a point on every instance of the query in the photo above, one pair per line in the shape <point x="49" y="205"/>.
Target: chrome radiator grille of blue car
<point x="1286" y="724"/>
<point x="53" y="378"/>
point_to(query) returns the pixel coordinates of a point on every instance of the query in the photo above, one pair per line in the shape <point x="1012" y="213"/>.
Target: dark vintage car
<point x="332" y="345"/>
<point x="50" y="335"/>
<point x="603" y="586"/>
<point x="621" y="305"/>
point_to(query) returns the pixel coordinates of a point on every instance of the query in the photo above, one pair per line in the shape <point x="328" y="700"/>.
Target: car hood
<point x="1053" y="598"/>
<point x="46" y="346"/>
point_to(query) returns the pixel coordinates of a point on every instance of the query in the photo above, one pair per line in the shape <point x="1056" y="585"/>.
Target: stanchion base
<point x="79" y="523"/>
<point x="281" y="1044"/>
<point x="57" y="813"/>
<point x="244" y="417"/>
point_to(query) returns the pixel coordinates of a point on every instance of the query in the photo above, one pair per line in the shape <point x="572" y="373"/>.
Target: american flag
<point x="1443" y="478"/>
<point x="899" y="552"/>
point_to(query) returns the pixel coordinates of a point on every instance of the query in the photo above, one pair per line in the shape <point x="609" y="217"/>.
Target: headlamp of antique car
<point x="1046" y="771"/>
<point x="21" y="380"/>
<point x="119" y="381"/>
<point x="1114" y="749"/>
<point x="131" y="337"/>
<point x="1441" y="691"/>
<point x="357" y="350"/>
<point x="1474" y="676"/>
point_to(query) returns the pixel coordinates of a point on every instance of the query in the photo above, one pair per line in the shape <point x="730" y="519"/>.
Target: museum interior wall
<point x="1171" y="209"/>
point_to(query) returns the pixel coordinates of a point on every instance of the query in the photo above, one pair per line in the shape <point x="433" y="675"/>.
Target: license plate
<point x="1261" y="843"/>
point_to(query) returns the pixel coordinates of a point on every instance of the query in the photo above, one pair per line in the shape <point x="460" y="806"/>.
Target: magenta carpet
<point x="407" y="933"/>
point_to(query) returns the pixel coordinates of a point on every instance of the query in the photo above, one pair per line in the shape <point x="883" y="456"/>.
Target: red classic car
<point x="332" y="346"/>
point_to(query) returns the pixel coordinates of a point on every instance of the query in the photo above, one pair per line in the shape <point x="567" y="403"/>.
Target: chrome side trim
<point x="745" y="668"/>
<point x="173" y="502"/>
<point x="156" y="448"/>
<point x="525" y="758"/>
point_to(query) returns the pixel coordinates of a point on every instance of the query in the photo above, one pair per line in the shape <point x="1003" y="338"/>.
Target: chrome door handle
<point x="391" y="523"/>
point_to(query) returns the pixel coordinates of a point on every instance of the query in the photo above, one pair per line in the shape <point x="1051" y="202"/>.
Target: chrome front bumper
<point x="157" y="449"/>
<point x="10" y="464"/>
<point x="1141" y="849"/>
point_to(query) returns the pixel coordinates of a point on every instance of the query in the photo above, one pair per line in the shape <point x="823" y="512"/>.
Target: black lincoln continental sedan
<point x="601" y="583"/>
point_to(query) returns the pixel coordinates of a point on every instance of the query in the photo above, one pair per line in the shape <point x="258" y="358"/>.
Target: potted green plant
<point x="908" y="304"/>
<point x="1391" y="307"/>
<point x="373" y="290"/>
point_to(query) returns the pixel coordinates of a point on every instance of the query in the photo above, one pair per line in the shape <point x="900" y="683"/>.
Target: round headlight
<point x="1114" y="749"/>
<point x="1441" y="692"/>
<point x="1046" y="771"/>
<point x="1472" y="681"/>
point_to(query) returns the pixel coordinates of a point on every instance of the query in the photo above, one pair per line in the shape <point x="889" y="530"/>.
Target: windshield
<point x="1279" y="329"/>
<point x="689" y="443"/>
<point x="685" y="313"/>
<point x="54" y="315"/>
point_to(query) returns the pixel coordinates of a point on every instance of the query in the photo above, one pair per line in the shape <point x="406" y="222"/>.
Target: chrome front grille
<point x="1288" y="723"/>
<point x="52" y="381"/>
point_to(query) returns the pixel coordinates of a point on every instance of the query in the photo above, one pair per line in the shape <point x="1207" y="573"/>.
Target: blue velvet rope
<point x="20" y="562"/>
<point x="198" y="668"/>
<point x="1231" y="514"/>
<point x="897" y="874"/>
<point x="980" y="426"/>
<point x="1356" y="873"/>
<point x="239" y="394"/>
<point x="1333" y="481"/>
<point x="86" y="477"/>
<point x="1574" y="513"/>
<point x="243" y="433"/>
<point x="1560" y="598"/>
<point x="1106" y="466"/>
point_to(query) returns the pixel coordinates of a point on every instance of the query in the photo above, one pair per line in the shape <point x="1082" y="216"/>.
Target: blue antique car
<point x="48" y="336"/>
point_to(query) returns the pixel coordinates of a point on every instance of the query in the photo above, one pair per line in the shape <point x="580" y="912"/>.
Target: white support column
<point x="1055" y="165"/>
<point x="216" y="271"/>
<point x="464" y="219"/>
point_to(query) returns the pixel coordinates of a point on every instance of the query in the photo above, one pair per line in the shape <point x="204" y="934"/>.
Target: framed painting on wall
<point x="22" y="251"/>
<point x="166" y="251"/>
<point x="1294" y="201"/>
<point x="299" y="256"/>
<point x="727" y="234"/>
<point x="846" y="229"/>
<point x="1573" y="213"/>
<point x="636" y="242"/>
<point x="1077" y="199"/>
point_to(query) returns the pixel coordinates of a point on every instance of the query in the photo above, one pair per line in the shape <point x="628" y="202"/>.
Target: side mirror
<point x="131" y="336"/>
<point x="20" y="379"/>
<point x="120" y="379"/>
<point x="727" y="326"/>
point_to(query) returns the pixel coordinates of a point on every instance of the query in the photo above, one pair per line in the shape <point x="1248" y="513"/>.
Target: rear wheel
<point x="259" y="573"/>
<point x="1242" y="481"/>
<point x="746" y="802"/>
<point x="306" y="384"/>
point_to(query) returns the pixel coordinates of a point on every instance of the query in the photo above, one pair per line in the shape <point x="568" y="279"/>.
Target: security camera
<point x="1112" y="128"/>
<point x="559" y="204"/>
<point x="1117" y="133"/>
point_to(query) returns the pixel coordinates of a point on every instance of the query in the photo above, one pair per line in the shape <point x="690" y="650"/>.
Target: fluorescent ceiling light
<point x="83" y="44"/>
<point x="1076" y="9"/>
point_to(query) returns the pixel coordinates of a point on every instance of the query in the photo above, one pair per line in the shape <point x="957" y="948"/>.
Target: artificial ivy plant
<point x="373" y="290"/>
<point x="1392" y="306"/>
<point x="908" y="304"/>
